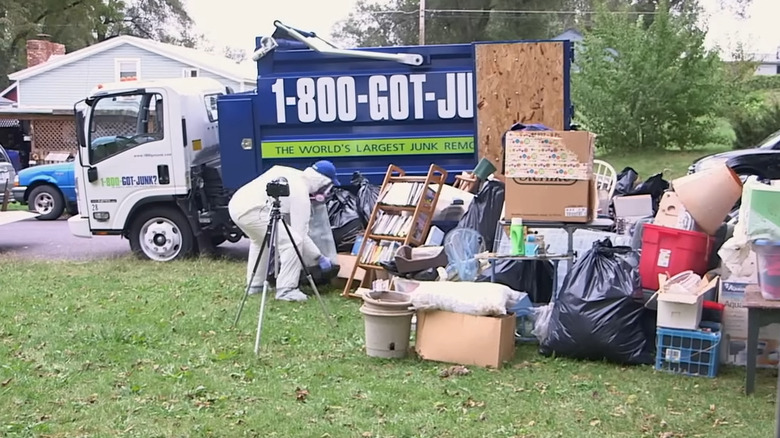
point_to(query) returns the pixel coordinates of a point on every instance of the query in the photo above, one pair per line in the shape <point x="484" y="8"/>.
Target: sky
<point x="223" y="26"/>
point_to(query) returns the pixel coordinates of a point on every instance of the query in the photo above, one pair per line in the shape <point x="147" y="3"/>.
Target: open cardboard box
<point x="681" y="308"/>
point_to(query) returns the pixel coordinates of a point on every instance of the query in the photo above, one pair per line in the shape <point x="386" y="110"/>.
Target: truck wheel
<point x="161" y="234"/>
<point x="47" y="201"/>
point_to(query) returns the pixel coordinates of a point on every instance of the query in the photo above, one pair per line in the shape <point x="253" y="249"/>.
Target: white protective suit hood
<point x="315" y="181"/>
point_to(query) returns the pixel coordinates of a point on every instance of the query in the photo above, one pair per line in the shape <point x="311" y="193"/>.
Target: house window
<point x="128" y="70"/>
<point x="190" y="73"/>
<point x="120" y="123"/>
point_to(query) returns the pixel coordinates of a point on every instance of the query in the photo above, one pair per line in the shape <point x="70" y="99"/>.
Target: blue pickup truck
<point x="48" y="189"/>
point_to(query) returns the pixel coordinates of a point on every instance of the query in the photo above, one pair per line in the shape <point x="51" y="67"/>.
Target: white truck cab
<point x="142" y="149"/>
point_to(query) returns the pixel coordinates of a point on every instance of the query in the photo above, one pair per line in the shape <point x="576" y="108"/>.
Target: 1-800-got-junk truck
<point x="156" y="167"/>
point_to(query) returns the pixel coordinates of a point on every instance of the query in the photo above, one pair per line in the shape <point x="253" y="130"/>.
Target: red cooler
<point x="671" y="251"/>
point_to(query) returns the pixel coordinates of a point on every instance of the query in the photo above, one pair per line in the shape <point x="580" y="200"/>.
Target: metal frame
<point x="314" y="42"/>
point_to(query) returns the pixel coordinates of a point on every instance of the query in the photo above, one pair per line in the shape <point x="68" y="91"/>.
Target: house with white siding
<point x="63" y="79"/>
<point x="45" y="91"/>
<point x="768" y="63"/>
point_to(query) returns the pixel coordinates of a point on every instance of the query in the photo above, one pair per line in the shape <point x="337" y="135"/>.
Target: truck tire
<point x="47" y="201"/>
<point x="161" y="234"/>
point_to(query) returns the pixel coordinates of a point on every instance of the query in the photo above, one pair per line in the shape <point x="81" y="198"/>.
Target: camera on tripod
<point x="278" y="188"/>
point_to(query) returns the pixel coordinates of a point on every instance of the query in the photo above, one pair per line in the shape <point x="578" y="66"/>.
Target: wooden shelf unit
<point x="408" y="224"/>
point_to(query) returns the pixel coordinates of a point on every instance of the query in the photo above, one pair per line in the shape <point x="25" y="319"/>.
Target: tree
<point x="648" y="87"/>
<point x="396" y="22"/>
<point x="235" y="54"/>
<point x="80" y="23"/>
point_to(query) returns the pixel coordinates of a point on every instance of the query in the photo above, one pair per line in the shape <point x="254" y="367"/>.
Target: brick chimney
<point x="39" y="50"/>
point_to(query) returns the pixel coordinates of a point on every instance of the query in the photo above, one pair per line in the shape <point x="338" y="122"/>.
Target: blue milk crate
<point x="689" y="352"/>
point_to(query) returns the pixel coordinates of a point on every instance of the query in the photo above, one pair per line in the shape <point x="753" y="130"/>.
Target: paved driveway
<point x="52" y="240"/>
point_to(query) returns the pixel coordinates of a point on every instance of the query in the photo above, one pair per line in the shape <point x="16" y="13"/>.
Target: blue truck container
<point x="362" y="114"/>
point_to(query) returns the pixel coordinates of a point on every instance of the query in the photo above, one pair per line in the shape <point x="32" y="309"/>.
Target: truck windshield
<point x="120" y="123"/>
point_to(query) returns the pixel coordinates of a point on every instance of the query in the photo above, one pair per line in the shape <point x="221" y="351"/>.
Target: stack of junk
<point x="586" y="262"/>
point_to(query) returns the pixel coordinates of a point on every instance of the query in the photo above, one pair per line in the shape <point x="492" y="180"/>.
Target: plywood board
<point x="517" y="83"/>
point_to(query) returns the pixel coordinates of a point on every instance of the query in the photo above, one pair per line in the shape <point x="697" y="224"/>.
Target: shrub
<point x="752" y="126"/>
<point x="648" y="87"/>
<point x="768" y="82"/>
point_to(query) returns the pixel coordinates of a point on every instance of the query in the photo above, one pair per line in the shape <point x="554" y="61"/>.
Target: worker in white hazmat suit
<point x="250" y="209"/>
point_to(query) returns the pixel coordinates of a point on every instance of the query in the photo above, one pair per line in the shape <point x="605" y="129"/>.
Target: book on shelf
<point x="406" y="194"/>
<point x="419" y="229"/>
<point x="381" y="251"/>
<point x="392" y="224"/>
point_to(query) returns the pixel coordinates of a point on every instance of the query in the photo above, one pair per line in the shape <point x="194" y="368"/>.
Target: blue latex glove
<point x="324" y="263"/>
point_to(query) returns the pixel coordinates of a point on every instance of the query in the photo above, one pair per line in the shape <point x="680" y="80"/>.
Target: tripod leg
<point x="266" y="242"/>
<point x="271" y="236"/>
<point x="306" y="271"/>
<point x="260" y="317"/>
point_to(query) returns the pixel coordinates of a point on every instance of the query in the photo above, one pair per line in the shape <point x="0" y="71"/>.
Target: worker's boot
<point x="291" y="295"/>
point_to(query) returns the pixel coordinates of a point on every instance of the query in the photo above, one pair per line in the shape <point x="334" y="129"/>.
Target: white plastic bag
<point x="472" y="298"/>
<point x="542" y="315"/>
<point x="737" y="258"/>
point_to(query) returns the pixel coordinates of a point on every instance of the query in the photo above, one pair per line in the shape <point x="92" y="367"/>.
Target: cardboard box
<point x="543" y="195"/>
<point x="672" y="213"/>
<point x="734" y="343"/>
<point x="681" y="308"/>
<point x="458" y="338"/>
<point x="631" y="209"/>
<point x="346" y="263"/>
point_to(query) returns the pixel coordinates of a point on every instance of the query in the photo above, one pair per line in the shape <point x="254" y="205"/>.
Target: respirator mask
<point x="322" y="194"/>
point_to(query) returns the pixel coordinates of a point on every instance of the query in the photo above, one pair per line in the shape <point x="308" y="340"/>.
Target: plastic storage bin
<point x="671" y="251"/>
<point x="768" y="255"/>
<point x="689" y="352"/>
<point x="526" y="322"/>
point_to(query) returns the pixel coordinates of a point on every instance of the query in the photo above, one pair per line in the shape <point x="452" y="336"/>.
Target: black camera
<point x="278" y="188"/>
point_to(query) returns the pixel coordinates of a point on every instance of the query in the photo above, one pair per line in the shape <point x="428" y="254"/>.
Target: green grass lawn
<point x="17" y="206"/>
<point x="137" y="349"/>
<point x="673" y="163"/>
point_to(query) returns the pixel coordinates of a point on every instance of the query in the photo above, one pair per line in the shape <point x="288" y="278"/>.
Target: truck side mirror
<point x="92" y="174"/>
<point x="80" y="129"/>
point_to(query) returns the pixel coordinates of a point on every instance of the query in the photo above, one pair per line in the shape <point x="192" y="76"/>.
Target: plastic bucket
<point x="484" y="169"/>
<point x="387" y="300"/>
<point x="387" y="331"/>
<point x="768" y="255"/>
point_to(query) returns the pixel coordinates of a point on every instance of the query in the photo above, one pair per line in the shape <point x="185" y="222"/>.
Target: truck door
<point x="129" y="156"/>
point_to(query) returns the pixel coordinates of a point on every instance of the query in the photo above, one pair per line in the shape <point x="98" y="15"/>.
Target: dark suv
<point x="767" y="146"/>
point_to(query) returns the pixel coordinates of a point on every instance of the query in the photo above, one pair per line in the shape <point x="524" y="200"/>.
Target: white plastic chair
<point x="606" y="180"/>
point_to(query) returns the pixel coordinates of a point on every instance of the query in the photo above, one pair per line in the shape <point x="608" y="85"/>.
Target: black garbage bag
<point x="655" y="186"/>
<point x="532" y="277"/>
<point x="599" y="312"/>
<point x="367" y="195"/>
<point x="345" y="222"/>
<point x="626" y="180"/>
<point x="485" y="211"/>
